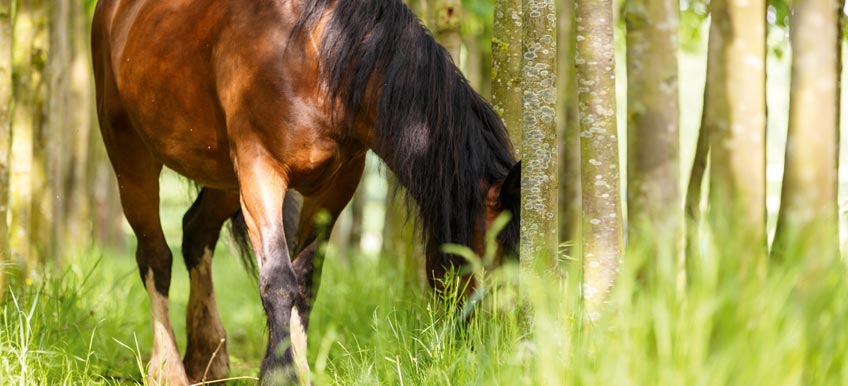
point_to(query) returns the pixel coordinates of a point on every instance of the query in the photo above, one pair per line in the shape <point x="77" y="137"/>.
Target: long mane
<point x="444" y="142"/>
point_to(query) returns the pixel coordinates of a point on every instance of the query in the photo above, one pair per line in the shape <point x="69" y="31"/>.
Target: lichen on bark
<point x="538" y="133"/>
<point x="600" y="171"/>
<point x="506" y="67"/>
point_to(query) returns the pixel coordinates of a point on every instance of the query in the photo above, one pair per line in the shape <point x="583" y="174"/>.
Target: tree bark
<point x="506" y="67"/>
<point x="600" y="175"/>
<point x="569" y="136"/>
<point x="56" y="148"/>
<point x="653" y="130"/>
<point x="398" y="233"/>
<point x="41" y="233"/>
<point x="538" y="134"/>
<point x="807" y="226"/>
<point x="736" y="120"/>
<point x="6" y="40"/>
<point x="27" y="179"/>
<point x="71" y="122"/>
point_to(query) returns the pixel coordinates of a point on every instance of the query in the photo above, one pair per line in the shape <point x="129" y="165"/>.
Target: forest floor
<point x="88" y="324"/>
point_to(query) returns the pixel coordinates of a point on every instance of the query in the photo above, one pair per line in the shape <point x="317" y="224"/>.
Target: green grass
<point x="88" y="324"/>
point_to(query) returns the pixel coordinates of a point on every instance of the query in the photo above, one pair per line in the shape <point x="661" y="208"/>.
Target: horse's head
<point x="503" y="196"/>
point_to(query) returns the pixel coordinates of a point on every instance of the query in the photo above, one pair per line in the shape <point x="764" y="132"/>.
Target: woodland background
<point x="732" y="271"/>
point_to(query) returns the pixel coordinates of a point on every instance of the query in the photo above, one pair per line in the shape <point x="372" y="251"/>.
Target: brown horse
<point x="255" y="100"/>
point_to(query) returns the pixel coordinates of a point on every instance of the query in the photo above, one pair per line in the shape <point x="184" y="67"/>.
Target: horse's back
<point x="184" y="71"/>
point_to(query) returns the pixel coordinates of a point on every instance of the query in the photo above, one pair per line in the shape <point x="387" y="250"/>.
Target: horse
<point x="270" y="107"/>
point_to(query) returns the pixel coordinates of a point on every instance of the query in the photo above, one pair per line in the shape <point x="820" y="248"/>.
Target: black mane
<point x="444" y="142"/>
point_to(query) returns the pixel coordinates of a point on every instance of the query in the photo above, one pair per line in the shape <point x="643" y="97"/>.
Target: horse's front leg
<point x="263" y="189"/>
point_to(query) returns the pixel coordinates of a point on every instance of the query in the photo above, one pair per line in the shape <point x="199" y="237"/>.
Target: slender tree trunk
<point x="105" y="201"/>
<point x="473" y="61"/>
<point x="447" y="15"/>
<point x="569" y="137"/>
<point x="398" y="233"/>
<point x="57" y="135"/>
<point x="539" y="134"/>
<point x="653" y="130"/>
<point x="602" y="231"/>
<point x="6" y="40"/>
<point x="78" y="204"/>
<point x="41" y="233"/>
<point x="506" y="67"/>
<point x="357" y="207"/>
<point x="807" y="226"/>
<point x="694" y="189"/>
<point x="736" y="109"/>
<point x="421" y="8"/>
<point x="30" y="50"/>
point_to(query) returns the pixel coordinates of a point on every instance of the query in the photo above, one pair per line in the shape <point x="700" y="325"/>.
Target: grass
<point x="88" y="324"/>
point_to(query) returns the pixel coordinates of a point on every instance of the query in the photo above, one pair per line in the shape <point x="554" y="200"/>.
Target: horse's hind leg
<point x="138" y="184"/>
<point x="206" y="335"/>
<point x="311" y="234"/>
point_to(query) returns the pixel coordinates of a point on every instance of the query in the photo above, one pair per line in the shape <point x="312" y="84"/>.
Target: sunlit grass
<point x="88" y="324"/>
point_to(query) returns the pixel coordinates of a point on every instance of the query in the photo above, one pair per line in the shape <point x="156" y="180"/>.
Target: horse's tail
<point x="291" y="218"/>
<point x="238" y="230"/>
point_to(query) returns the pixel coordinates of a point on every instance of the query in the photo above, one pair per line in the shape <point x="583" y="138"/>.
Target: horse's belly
<point x="208" y="167"/>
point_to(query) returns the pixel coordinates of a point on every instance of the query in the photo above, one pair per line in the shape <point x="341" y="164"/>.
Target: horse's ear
<point x="510" y="194"/>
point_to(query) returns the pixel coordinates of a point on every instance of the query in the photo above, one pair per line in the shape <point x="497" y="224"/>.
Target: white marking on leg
<point x="298" y="342"/>
<point x="166" y="366"/>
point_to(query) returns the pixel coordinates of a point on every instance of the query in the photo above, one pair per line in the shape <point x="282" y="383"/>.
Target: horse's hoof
<point x="199" y="368"/>
<point x="166" y="373"/>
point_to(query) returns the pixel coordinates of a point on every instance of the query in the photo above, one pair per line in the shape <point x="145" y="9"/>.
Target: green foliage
<point x="61" y="330"/>
<point x="89" y="6"/>
<point x="693" y="24"/>
<point x="89" y="325"/>
<point x="477" y="19"/>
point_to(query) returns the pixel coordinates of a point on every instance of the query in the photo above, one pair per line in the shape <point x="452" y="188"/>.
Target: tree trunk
<point x="57" y="135"/>
<point x="569" y="137"/>
<point x="42" y="241"/>
<point x="653" y="130"/>
<point x="539" y="135"/>
<point x="694" y="188"/>
<point x="807" y="226"/>
<point x="447" y="15"/>
<point x="506" y="67"/>
<point x="398" y="233"/>
<point x="78" y="201"/>
<point x="6" y="40"/>
<point x="357" y="208"/>
<point x="107" y="228"/>
<point x="736" y="120"/>
<point x="600" y="175"/>
<point x="473" y="62"/>
<point x="420" y="7"/>
<point x="28" y="174"/>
